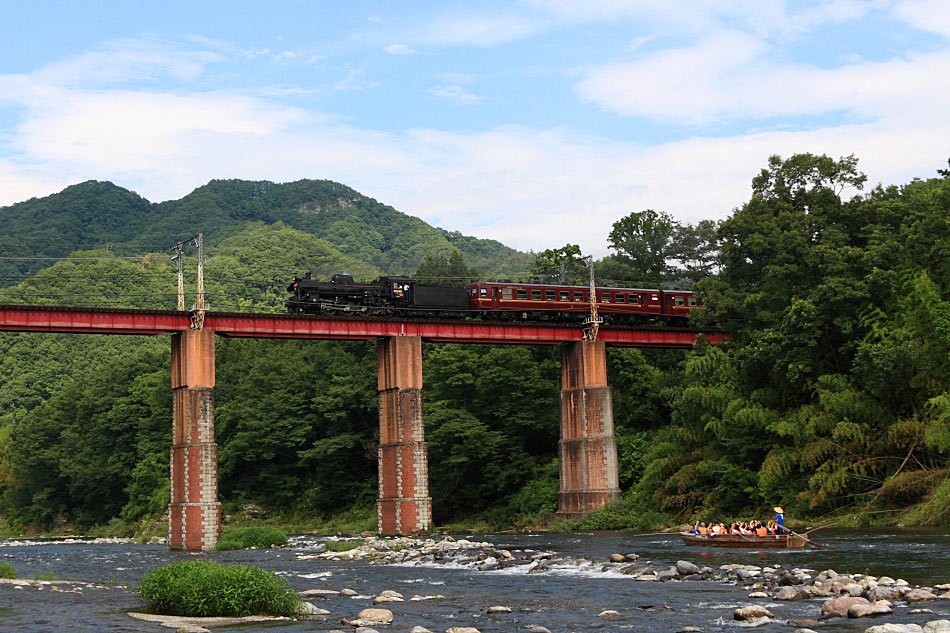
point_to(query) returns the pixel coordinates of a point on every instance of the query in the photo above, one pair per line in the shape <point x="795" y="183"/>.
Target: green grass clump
<point x="259" y="536"/>
<point x="48" y="576"/>
<point x="343" y="546"/>
<point x="7" y="571"/>
<point x="204" y="589"/>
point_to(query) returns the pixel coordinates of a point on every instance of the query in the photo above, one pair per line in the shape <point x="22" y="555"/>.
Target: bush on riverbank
<point x="259" y="536"/>
<point x="204" y="589"/>
<point x="343" y="546"/>
<point x="7" y="571"/>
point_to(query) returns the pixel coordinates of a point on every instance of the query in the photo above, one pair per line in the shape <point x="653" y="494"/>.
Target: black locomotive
<point x="385" y="296"/>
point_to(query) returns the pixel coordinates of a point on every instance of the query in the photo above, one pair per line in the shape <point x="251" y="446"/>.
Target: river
<point x="567" y="597"/>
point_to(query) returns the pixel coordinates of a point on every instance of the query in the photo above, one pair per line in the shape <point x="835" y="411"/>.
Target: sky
<point x="537" y="123"/>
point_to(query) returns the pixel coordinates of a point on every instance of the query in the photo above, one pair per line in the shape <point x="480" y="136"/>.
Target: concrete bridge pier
<point x="404" y="505"/>
<point x="587" y="449"/>
<point x="194" y="514"/>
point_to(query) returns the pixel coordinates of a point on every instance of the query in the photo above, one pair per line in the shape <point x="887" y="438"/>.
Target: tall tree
<point x="643" y="239"/>
<point x="440" y="270"/>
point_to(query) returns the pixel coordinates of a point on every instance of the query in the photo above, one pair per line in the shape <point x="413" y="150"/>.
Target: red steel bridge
<point x="20" y="318"/>
<point x="587" y="451"/>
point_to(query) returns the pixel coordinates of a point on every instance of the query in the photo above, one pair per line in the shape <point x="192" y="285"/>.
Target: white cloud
<point x="399" y="49"/>
<point x="455" y="94"/>
<point x="479" y="30"/>
<point x="926" y="15"/>
<point x="730" y="76"/>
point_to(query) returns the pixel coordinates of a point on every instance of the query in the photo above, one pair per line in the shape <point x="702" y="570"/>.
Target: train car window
<point x="522" y="293"/>
<point x="634" y="299"/>
<point x="620" y="298"/>
<point x="605" y="298"/>
<point x="484" y="292"/>
<point x="654" y="297"/>
<point x="565" y="296"/>
<point x="692" y="301"/>
<point x="578" y="296"/>
<point x="549" y="295"/>
<point x="473" y="292"/>
<point x="506" y="293"/>
<point x="536" y="295"/>
<point x="678" y="301"/>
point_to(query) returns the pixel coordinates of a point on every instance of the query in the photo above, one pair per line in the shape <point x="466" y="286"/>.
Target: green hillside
<point x="97" y="213"/>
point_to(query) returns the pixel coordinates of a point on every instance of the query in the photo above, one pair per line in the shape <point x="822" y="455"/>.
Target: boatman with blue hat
<point x="779" y="519"/>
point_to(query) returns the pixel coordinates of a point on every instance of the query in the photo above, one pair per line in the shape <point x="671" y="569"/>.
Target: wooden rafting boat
<point x="743" y="540"/>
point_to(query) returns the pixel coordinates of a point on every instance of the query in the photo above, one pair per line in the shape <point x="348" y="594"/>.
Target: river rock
<point x="758" y="594"/>
<point x="631" y="556"/>
<point x="894" y="628"/>
<point x="499" y="609"/>
<point x="840" y="606"/>
<point x="754" y="622"/>
<point x="365" y="629"/>
<point x="686" y="568"/>
<point x="882" y="592"/>
<point x="791" y="593"/>
<point x="419" y="629"/>
<point x="374" y="616"/>
<point x="318" y="593"/>
<point x="804" y="630"/>
<point x="667" y="574"/>
<point x="937" y="626"/>
<point x="751" y="613"/>
<point x="689" y="629"/>
<point x="630" y="570"/>
<point x="609" y="613"/>
<point x="462" y="629"/>
<point x="617" y="558"/>
<point x="347" y="592"/>
<point x="534" y="629"/>
<point x="307" y="608"/>
<point x="881" y="607"/>
<point x="919" y="595"/>
<point x="647" y="577"/>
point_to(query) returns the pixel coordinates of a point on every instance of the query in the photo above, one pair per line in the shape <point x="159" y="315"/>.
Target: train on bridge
<point x="501" y="301"/>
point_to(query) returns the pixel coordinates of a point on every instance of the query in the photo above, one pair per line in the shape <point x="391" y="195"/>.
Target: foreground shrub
<point x="202" y="589"/>
<point x="7" y="571"/>
<point x="343" y="546"/>
<point x="257" y="536"/>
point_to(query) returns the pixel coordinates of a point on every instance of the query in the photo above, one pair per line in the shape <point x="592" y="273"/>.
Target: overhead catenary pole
<point x="592" y="324"/>
<point x="198" y="314"/>
<point x="178" y="257"/>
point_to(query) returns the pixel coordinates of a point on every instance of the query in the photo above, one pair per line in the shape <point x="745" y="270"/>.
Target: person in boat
<point x="779" y="520"/>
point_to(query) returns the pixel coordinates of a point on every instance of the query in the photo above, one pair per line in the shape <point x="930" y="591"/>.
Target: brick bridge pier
<point x="587" y="449"/>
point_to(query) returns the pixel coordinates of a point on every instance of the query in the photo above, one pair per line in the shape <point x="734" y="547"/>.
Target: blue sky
<point x="536" y="123"/>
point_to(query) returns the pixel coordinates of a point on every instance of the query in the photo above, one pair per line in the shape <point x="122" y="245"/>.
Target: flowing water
<point x="567" y="597"/>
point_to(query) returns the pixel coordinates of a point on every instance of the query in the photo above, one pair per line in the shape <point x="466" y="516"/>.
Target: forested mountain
<point x="832" y="398"/>
<point x="96" y="213"/>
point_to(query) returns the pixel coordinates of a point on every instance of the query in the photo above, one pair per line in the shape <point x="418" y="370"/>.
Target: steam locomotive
<point x="501" y="301"/>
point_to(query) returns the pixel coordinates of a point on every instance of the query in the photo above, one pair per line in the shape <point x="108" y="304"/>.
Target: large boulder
<point x="881" y="607"/>
<point x="751" y="613"/>
<point x="937" y="626"/>
<point x="307" y="608"/>
<point x="667" y="574"/>
<point x="919" y="595"/>
<point x="686" y="568"/>
<point x="368" y="617"/>
<point x="894" y="628"/>
<point x="791" y="593"/>
<point x="840" y="606"/>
